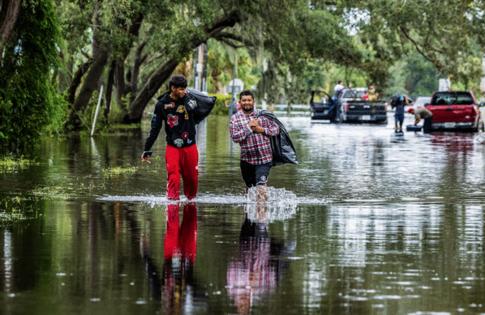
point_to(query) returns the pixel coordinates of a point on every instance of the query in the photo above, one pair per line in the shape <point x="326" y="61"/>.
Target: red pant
<point x="181" y="240"/>
<point x="182" y="161"/>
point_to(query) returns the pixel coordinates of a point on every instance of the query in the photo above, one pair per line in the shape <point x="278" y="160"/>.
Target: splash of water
<point x="479" y="138"/>
<point x="278" y="198"/>
<point x="279" y="204"/>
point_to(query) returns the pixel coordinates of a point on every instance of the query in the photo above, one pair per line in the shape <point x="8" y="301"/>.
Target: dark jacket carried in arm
<point x="180" y="117"/>
<point x="281" y="145"/>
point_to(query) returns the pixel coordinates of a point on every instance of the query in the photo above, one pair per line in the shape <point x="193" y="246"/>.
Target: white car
<point x="421" y="101"/>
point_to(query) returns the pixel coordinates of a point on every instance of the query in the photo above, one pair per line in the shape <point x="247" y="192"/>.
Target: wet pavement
<point x="368" y="223"/>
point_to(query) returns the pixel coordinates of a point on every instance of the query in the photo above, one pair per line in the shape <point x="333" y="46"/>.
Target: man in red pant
<point x="178" y="110"/>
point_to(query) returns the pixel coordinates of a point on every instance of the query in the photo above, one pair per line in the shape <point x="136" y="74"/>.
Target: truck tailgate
<point x="452" y="113"/>
<point x="364" y="108"/>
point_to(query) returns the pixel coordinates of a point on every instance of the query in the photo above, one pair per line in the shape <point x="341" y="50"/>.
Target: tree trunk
<point x="76" y="81"/>
<point x="122" y="87"/>
<point x="136" y="71"/>
<point x="92" y="78"/>
<point x="165" y="70"/>
<point x="149" y="90"/>
<point x="9" y="12"/>
<point x="119" y="81"/>
<point x="89" y="85"/>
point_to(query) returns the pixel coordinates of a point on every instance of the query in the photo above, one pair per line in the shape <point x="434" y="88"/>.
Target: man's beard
<point x="247" y="111"/>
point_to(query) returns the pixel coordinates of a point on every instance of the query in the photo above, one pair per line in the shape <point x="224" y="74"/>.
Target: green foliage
<point x="221" y="59"/>
<point x="421" y="75"/>
<point x="28" y="98"/>
<point x="118" y="171"/>
<point x="222" y="104"/>
<point x="14" y="209"/>
<point x="11" y="164"/>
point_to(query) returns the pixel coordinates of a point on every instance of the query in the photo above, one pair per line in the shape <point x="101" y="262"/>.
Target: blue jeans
<point x="334" y="110"/>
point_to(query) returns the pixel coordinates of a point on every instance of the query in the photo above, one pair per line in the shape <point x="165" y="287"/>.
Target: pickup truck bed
<point x="456" y="110"/>
<point x="349" y="111"/>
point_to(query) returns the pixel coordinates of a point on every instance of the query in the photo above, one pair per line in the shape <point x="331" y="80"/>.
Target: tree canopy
<point x="283" y="48"/>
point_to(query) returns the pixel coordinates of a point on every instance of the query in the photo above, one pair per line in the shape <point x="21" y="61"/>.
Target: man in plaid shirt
<point x="253" y="133"/>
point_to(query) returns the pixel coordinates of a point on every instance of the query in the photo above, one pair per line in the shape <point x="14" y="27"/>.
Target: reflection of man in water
<point x="257" y="269"/>
<point x="179" y="255"/>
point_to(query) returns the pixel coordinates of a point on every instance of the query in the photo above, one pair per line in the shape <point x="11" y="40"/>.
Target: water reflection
<point x="257" y="271"/>
<point x="381" y="227"/>
<point x="175" y="285"/>
<point x="180" y="246"/>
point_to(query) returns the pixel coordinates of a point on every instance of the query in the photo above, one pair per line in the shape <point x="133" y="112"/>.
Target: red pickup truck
<point x="455" y="110"/>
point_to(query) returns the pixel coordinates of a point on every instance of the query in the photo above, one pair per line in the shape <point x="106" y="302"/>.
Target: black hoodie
<point x="178" y="116"/>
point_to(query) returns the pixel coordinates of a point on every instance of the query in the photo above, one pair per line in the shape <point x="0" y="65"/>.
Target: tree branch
<point x="165" y="70"/>
<point x="420" y="49"/>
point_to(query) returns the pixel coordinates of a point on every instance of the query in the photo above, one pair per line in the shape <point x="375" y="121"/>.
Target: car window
<point x="353" y="94"/>
<point x="320" y="98"/>
<point x="452" y="98"/>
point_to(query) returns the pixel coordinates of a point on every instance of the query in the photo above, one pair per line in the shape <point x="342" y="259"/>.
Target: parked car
<point x="457" y="110"/>
<point x="421" y="101"/>
<point x="349" y="107"/>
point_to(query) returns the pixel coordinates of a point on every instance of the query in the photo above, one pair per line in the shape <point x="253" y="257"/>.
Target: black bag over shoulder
<point x="205" y="104"/>
<point x="281" y="145"/>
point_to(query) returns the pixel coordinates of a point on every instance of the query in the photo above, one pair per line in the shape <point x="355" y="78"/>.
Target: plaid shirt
<point x="255" y="147"/>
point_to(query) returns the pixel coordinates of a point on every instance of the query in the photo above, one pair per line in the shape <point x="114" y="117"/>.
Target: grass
<point x="16" y="209"/>
<point x="9" y="164"/>
<point x="118" y="171"/>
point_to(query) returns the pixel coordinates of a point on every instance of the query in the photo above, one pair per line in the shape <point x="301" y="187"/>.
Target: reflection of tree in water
<point x="258" y="268"/>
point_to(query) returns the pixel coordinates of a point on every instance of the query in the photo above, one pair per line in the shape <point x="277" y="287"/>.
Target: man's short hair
<point x="177" y="81"/>
<point x="246" y="93"/>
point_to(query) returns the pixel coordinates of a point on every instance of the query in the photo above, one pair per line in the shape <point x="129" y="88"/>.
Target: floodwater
<point x="367" y="223"/>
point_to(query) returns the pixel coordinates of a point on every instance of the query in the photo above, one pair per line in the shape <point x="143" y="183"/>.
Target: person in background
<point x="372" y="94"/>
<point x="335" y="105"/>
<point x="338" y="88"/>
<point x="422" y="112"/>
<point x="399" y="103"/>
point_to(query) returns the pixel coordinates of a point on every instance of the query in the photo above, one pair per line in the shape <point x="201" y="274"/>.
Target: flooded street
<point x="367" y="223"/>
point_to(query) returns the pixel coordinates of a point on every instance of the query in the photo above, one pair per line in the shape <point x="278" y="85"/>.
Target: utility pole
<point x="200" y="68"/>
<point x="233" y="87"/>
<point x="204" y="70"/>
<point x="482" y="81"/>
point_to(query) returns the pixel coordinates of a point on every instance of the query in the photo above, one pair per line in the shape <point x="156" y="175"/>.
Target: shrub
<point x="222" y="104"/>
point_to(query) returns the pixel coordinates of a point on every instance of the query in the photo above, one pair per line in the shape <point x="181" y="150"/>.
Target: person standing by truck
<point x="335" y="105"/>
<point x="372" y="94"/>
<point x="422" y="112"/>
